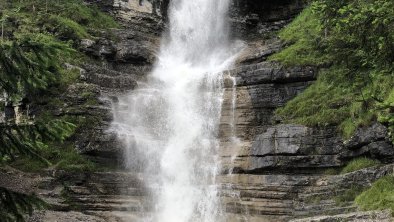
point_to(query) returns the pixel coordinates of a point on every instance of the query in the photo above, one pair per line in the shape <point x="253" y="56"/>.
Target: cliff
<point x="272" y="171"/>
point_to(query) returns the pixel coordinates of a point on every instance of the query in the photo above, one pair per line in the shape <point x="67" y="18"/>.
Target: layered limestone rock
<point x="252" y="19"/>
<point x="145" y="16"/>
<point x="274" y="171"/>
<point x="96" y="197"/>
<point x="282" y="197"/>
<point x="371" y="216"/>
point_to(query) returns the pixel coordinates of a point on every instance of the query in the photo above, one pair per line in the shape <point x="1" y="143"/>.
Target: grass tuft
<point x="379" y="197"/>
<point x="301" y="36"/>
<point x="349" y="195"/>
<point x="358" y="164"/>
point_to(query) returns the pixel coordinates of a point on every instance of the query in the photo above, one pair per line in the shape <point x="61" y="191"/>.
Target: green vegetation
<point x="36" y="38"/>
<point x="348" y="195"/>
<point x="386" y="114"/>
<point x="379" y="197"/>
<point x="352" y="166"/>
<point x="68" y="77"/>
<point x="358" y="164"/>
<point x="65" y="28"/>
<point x="301" y="36"/>
<point x="64" y="157"/>
<point x="14" y="205"/>
<point x="352" y="42"/>
<point x="30" y="62"/>
<point x="332" y="171"/>
<point x="56" y="17"/>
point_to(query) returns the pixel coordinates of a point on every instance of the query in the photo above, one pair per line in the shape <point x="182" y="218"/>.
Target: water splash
<point x="170" y="125"/>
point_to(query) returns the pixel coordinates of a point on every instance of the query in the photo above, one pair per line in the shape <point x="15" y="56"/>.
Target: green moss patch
<point x="358" y="164"/>
<point x="379" y="197"/>
<point x="348" y="195"/>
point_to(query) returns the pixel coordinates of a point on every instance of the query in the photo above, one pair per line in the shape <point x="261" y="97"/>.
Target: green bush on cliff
<point x="379" y="197"/>
<point x="353" y="44"/>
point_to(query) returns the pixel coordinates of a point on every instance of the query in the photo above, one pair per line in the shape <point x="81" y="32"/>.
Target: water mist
<point x="170" y="129"/>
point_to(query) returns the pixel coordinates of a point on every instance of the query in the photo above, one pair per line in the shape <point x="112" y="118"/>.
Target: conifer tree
<point x="28" y="63"/>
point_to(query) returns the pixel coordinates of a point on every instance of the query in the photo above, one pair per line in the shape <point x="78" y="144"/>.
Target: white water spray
<point x="171" y="124"/>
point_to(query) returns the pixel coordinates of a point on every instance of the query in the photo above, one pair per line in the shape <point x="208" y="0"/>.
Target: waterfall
<point x="170" y="124"/>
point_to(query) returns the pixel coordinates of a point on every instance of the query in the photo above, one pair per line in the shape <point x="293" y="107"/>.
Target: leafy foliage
<point x="353" y="43"/>
<point x="30" y="63"/>
<point x="63" y="158"/>
<point x="24" y="68"/>
<point x="29" y="138"/>
<point x="15" y="205"/>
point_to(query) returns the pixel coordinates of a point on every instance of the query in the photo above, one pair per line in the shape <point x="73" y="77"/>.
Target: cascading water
<point x="171" y="125"/>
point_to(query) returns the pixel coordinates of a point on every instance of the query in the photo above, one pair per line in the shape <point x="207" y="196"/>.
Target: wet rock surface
<point x="271" y="171"/>
<point x="105" y="196"/>
<point x="274" y="171"/>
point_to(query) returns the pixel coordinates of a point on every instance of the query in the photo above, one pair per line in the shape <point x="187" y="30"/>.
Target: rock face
<point x="146" y="16"/>
<point x="274" y="171"/>
<point x="95" y="197"/>
<point x="271" y="171"/>
<point x="122" y="58"/>
<point x="253" y="19"/>
<point x="282" y="197"/>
